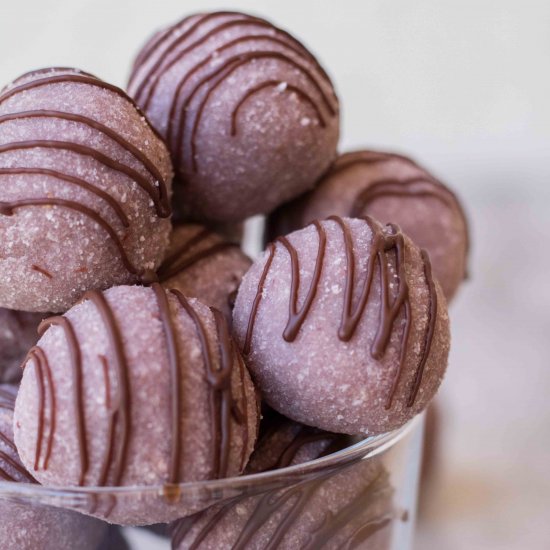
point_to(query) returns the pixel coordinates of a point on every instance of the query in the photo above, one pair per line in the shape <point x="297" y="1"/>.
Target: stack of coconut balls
<point x="148" y="339"/>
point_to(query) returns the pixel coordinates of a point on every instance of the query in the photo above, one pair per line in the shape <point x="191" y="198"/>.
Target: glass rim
<point x="367" y="448"/>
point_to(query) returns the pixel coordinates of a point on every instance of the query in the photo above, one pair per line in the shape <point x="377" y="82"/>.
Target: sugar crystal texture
<point x="364" y="346"/>
<point x="250" y="117"/>
<point x="85" y="185"/>
<point x="173" y="372"/>
<point x="390" y="188"/>
<point x="350" y="504"/>
<point x="28" y="527"/>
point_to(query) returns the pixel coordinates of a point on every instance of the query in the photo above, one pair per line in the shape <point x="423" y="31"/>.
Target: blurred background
<point x="463" y="86"/>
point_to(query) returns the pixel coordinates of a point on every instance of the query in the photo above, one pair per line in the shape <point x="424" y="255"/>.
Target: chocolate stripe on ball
<point x="381" y="245"/>
<point x="204" y="264"/>
<point x="339" y="508"/>
<point x="391" y="188"/>
<point x="343" y="326"/>
<point x="176" y="348"/>
<point x="255" y="68"/>
<point x="73" y="142"/>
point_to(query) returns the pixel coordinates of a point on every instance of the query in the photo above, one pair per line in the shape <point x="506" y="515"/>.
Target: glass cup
<point x="363" y="496"/>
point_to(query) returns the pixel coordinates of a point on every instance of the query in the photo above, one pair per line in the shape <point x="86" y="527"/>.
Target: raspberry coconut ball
<point x="343" y="326"/>
<point x="135" y="386"/>
<point x="249" y="115"/>
<point x="84" y="194"/>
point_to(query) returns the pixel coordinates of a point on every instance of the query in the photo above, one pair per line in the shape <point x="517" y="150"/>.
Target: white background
<point x="465" y="87"/>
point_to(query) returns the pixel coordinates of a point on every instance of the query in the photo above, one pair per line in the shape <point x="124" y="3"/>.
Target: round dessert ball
<point x="205" y="265"/>
<point x="26" y="527"/>
<point x="85" y="184"/>
<point x="343" y="326"/>
<point x="135" y="386"/>
<point x="246" y="110"/>
<point x="18" y="333"/>
<point x="390" y="188"/>
<point x="351" y="505"/>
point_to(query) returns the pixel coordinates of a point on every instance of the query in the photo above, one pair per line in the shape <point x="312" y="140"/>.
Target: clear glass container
<point x="364" y="496"/>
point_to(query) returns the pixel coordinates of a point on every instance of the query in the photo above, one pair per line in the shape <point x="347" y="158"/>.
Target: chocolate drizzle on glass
<point x="383" y="243"/>
<point x="9" y="459"/>
<point x="278" y="511"/>
<point x="214" y="67"/>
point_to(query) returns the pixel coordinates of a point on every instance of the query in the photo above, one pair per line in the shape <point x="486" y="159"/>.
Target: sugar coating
<point x="26" y="527"/>
<point x="437" y="226"/>
<point x="362" y="488"/>
<point x="215" y="278"/>
<point x="50" y="254"/>
<point x="18" y="333"/>
<point x="151" y="397"/>
<point x="279" y="148"/>
<point x="318" y="379"/>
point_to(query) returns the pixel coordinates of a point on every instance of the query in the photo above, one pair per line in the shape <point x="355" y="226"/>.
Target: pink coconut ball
<point x="136" y="386"/>
<point x="32" y="527"/>
<point x="343" y="326"/>
<point x="18" y="333"/>
<point x="84" y="194"/>
<point x="249" y="115"/>
<point x="390" y="188"/>
<point x="205" y="265"/>
<point x="350" y="505"/>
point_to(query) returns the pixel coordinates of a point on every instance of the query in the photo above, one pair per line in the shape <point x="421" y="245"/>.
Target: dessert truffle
<point x="18" y="333"/>
<point x="249" y="115"/>
<point x="343" y="326"/>
<point x="352" y="504"/>
<point x="135" y="386"/>
<point x="390" y="188"/>
<point x="202" y="264"/>
<point x="84" y="199"/>
<point x="26" y="527"/>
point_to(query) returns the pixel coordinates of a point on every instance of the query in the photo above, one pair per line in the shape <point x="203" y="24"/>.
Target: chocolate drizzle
<point x="77" y="77"/>
<point x="175" y="381"/>
<point x="78" y="388"/>
<point x="9" y="459"/>
<point x="171" y="49"/>
<point x="84" y="150"/>
<point x="7" y="209"/>
<point x="159" y="197"/>
<point x="269" y="84"/>
<point x="413" y="187"/>
<point x="189" y="253"/>
<point x="383" y="243"/>
<point x="119" y="430"/>
<point x="219" y="380"/>
<point x="42" y="271"/>
<point x="296" y="317"/>
<point x="279" y="511"/>
<point x="257" y="299"/>
<point x="423" y="185"/>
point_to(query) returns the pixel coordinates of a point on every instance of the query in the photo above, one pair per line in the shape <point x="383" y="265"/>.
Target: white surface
<point x="464" y="86"/>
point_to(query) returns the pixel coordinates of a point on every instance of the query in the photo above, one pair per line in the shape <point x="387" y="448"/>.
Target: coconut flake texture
<point x="343" y="327"/>
<point x="205" y="265"/>
<point x="84" y="194"/>
<point x="147" y="389"/>
<point x="250" y="117"/>
<point x="26" y="527"/>
<point x="390" y="188"/>
<point x="18" y="333"/>
<point x="351" y="505"/>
